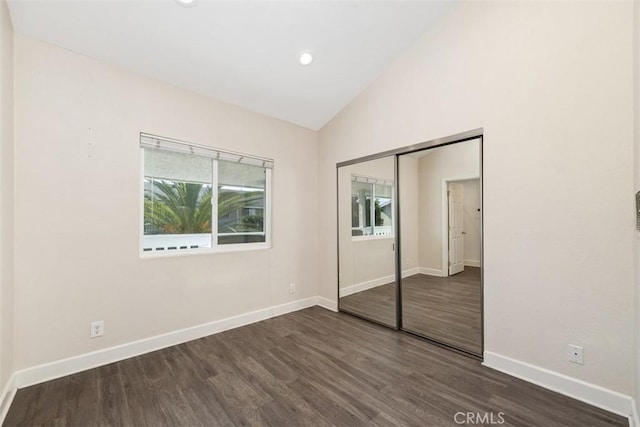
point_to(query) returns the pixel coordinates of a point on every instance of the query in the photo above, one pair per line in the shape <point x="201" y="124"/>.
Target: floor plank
<point x="446" y="309"/>
<point x="308" y="368"/>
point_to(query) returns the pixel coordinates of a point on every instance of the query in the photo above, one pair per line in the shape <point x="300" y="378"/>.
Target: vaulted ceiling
<point x="242" y="52"/>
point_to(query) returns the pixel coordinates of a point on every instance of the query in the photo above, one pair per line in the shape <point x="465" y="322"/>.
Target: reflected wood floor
<point x="311" y="367"/>
<point x="447" y="309"/>
<point x="377" y="304"/>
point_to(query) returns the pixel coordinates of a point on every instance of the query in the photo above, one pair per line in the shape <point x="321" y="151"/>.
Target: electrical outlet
<point x="292" y="288"/>
<point x="97" y="329"/>
<point x="576" y="354"/>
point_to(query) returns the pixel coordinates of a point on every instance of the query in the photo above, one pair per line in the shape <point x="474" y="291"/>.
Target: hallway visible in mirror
<point x="441" y="244"/>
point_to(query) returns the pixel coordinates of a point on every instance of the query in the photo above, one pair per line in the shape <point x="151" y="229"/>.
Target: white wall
<point x="551" y="84"/>
<point x="409" y="190"/>
<point x="451" y="162"/>
<point x="78" y="208"/>
<point x="6" y="197"/>
<point x="471" y="222"/>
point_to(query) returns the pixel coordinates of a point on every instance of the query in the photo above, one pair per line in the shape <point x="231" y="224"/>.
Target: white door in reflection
<point x="455" y="196"/>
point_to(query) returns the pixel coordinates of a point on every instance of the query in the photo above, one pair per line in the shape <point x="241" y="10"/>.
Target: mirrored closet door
<point x="366" y="240"/>
<point x="441" y="244"/>
<point x="410" y="240"/>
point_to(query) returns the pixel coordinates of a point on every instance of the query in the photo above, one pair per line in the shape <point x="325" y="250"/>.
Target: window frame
<point x="215" y="246"/>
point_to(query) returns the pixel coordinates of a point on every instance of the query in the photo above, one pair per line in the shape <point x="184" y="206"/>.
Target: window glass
<point x="368" y="220"/>
<point x="177" y="201"/>
<point x="383" y="209"/>
<point x="241" y="203"/>
<point x="361" y="208"/>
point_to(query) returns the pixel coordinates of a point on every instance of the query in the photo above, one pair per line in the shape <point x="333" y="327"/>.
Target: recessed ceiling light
<point x="187" y="3"/>
<point x="306" y="58"/>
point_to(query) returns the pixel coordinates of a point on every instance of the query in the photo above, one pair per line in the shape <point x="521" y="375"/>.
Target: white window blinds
<point x="371" y="180"/>
<point x="151" y="142"/>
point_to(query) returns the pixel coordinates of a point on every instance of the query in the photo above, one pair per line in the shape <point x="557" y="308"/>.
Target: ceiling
<point x="238" y="51"/>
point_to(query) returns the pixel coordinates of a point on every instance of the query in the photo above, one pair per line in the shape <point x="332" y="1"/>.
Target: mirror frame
<point x="396" y="153"/>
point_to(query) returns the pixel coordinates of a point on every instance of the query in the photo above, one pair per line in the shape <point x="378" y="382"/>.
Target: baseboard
<point x="72" y="365"/>
<point x="592" y="394"/>
<point x="634" y="418"/>
<point x="410" y="272"/>
<point x="6" y="398"/>
<point x="430" y="271"/>
<point x="589" y="393"/>
<point x="327" y="303"/>
<point x="363" y="286"/>
<point x="374" y="283"/>
<point x="279" y="310"/>
<point x="471" y="263"/>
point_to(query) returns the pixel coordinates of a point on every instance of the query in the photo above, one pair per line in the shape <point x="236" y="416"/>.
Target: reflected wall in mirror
<point x="441" y="244"/>
<point x="367" y="285"/>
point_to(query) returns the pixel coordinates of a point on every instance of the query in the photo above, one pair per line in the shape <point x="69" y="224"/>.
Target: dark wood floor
<point x="311" y="367"/>
<point x="447" y="309"/>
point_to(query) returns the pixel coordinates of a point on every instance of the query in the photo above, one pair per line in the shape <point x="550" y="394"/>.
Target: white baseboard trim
<point x="369" y="284"/>
<point x="72" y="365"/>
<point x="634" y="418"/>
<point x="430" y="271"/>
<point x="592" y="394"/>
<point x="471" y="263"/>
<point x="374" y="283"/>
<point x="410" y="272"/>
<point x="6" y="398"/>
<point x="327" y="303"/>
<point x="279" y="310"/>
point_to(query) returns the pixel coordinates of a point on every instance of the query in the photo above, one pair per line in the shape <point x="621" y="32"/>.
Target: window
<point x="241" y="203"/>
<point x="199" y="198"/>
<point x="365" y="220"/>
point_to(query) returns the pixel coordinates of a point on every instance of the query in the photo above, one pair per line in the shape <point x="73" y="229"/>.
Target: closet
<point x="410" y="240"/>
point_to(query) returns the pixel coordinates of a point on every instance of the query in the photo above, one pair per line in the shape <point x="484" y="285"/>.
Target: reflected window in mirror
<point x="371" y="219"/>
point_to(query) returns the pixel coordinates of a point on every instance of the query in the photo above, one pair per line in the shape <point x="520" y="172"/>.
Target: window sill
<point x="374" y="237"/>
<point x="205" y="251"/>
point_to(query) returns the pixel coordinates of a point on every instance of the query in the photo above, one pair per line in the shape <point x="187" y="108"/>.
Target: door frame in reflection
<point x="476" y="134"/>
<point x="445" y="218"/>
